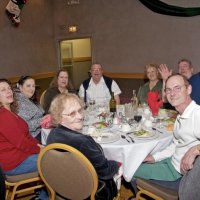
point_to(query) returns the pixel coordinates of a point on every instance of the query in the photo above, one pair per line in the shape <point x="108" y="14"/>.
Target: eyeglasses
<point x="73" y="113"/>
<point x="176" y="89"/>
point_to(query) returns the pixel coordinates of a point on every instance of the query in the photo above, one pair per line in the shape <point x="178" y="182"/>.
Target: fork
<point x="124" y="137"/>
<point x="132" y="140"/>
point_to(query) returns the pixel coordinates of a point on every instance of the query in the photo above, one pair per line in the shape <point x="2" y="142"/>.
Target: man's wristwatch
<point x="198" y="147"/>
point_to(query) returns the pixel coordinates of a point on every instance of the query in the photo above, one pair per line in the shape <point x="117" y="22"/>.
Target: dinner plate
<point x="127" y="131"/>
<point x="107" y="137"/>
<point x="101" y="126"/>
<point x="144" y="134"/>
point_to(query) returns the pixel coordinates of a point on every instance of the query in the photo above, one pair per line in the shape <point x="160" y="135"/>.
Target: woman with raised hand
<point x="154" y="83"/>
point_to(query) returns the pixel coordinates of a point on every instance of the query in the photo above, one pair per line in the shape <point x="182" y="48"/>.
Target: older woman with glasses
<point x="67" y="113"/>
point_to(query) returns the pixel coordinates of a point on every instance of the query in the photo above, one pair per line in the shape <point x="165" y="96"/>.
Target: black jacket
<point x="105" y="169"/>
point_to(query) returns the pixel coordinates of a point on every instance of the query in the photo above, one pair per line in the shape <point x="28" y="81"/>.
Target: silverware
<point x="132" y="140"/>
<point x="155" y="129"/>
<point x="129" y="133"/>
<point x="124" y="137"/>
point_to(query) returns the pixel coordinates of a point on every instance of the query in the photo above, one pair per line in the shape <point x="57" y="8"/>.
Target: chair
<point x="22" y="183"/>
<point x="154" y="191"/>
<point x="42" y="98"/>
<point x="67" y="173"/>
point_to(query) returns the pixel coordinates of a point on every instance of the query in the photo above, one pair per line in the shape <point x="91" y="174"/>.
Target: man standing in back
<point x="99" y="87"/>
<point x="186" y="69"/>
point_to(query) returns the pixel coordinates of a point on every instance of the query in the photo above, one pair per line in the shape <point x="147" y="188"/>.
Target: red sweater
<point x="16" y="143"/>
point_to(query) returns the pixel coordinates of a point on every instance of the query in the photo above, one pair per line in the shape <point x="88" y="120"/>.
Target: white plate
<point x="98" y="127"/>
<point x="130" y="130"/>
<point x="107" y="137"/>
<point x="149" y="135"/>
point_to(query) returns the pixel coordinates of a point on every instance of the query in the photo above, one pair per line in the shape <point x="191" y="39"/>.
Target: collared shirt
<point x="186" y="135"/>
<point x="99" y="92"/>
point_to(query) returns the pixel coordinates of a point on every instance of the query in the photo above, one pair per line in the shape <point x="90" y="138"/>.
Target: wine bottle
<point x="134" y="100"/>
<point x="112" y="103"/>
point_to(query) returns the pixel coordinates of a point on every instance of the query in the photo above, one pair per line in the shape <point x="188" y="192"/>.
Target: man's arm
<point x="188" y="159"/>
<point x="115" y="88"/>
<point x="117" y="99"/>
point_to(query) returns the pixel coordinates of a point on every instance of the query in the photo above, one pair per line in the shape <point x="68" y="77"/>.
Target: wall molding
<point x="125" y="75"/>
<point x="14" y="79"/>
<point x="78" y="59"/>
<point x="113" y="75"/>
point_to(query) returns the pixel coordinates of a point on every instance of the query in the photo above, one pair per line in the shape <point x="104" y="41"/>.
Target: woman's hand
<point x="41" y="146"/>
<point x="46" y="121"/>
<point x="164" y="71"/>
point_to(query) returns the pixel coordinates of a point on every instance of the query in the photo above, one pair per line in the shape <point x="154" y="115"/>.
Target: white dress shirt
<point x="99" y="92"/>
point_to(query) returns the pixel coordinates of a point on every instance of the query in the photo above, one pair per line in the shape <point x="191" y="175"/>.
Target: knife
<point x="155" y="129"/>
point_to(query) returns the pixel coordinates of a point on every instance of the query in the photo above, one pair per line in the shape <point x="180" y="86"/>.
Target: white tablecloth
<point x="130" y="155"/>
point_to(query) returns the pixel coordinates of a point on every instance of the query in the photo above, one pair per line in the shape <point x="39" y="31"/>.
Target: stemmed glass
<point x="91" y="104"/>
<point x="160" y="119"/>
<point x="137" y="117"/>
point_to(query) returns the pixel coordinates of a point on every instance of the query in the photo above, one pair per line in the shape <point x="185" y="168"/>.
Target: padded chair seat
<point x="14" y="184"/>
<point x="16" y="178"/>
<point x="67" y="172"/>
<point x="158" y="190"/>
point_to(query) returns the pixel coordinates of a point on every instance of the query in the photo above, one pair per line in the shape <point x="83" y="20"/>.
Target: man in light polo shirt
<point x="169" y="165"/>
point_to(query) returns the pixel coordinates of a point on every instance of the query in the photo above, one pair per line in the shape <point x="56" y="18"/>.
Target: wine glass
<point x="160" y="119"/>
<point x="137" y="118"/>
<point x="91" y="104"/>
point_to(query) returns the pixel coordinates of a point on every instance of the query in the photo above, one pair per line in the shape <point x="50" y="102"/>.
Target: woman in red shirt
<point x="18" y="149"/>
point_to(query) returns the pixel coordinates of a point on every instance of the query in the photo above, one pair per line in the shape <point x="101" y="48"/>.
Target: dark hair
<point x="54" y="82"/>
<point x="22" y="81"/>
<point x="13" y="105"/>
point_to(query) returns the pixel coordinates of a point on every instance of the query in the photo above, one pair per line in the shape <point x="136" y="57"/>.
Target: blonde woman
<point x="154" y="83"/>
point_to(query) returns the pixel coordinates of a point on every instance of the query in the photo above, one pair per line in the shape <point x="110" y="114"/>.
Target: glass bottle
<point x="112" y="103"/>
<point x="134" y="100"/>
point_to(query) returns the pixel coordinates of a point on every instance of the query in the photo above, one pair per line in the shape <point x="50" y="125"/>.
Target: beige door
<point x="76" y="58"/>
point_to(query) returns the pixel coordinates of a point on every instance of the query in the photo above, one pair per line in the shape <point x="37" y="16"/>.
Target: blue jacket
<point x="195" y="83"/>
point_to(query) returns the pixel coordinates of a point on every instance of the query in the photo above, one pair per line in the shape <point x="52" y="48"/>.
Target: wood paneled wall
<point x="126" y="81"/>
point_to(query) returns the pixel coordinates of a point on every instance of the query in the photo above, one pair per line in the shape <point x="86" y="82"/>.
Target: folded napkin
<point x="46" y="122"/>
<point x="154" y="101"/>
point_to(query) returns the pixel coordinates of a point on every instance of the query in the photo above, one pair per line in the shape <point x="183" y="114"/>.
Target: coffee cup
<point x="148" y="123"/>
